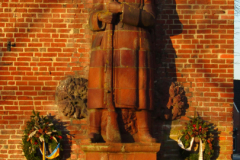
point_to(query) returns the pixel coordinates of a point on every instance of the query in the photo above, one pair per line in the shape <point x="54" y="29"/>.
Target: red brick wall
<point x="194" y="43"/>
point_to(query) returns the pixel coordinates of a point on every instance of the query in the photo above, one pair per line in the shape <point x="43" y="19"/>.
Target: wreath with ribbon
<point x="41" y="138"/>
<point x="197" y="139"/>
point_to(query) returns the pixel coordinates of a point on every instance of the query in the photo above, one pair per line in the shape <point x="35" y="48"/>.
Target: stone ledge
<point x="121" y="147"/>
<point x="121" y="151"/>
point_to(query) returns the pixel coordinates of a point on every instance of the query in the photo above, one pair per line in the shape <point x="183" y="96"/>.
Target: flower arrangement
<point x="197" y="130"/>
<point x="40" y="131"/>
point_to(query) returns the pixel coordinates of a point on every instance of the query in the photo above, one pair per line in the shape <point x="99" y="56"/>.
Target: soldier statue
<point x="121" y="64"/>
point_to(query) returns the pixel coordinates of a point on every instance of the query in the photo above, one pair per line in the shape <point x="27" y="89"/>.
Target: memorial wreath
<point x="40" y="137"/>
<point x="196" y="140"/>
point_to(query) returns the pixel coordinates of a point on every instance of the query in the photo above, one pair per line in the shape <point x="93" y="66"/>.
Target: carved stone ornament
<point x="127" y="121"/>
<point x="71" y="97"/>
<point x="171" y="103"/>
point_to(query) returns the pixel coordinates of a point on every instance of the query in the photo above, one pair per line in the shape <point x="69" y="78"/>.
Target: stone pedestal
<point x="121" y="151"/>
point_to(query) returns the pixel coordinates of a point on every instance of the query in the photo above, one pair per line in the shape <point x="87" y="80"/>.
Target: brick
<point x="26" y="88"/>
<point x="25" y="102"/>
<point x="36" y="83"/>
<point x="8" y="132"/>
<point x="226" y="95"/>
<point x="10" y="87"/>
<point x="29" y="78"/>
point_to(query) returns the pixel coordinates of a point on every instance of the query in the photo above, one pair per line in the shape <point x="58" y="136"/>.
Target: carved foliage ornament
<point x="171" y="103"/>
<point x="71" y="97"/>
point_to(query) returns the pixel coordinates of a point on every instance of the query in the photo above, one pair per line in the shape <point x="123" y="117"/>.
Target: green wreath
<point x="40" y="131"/>
<point x="197" y="130"/>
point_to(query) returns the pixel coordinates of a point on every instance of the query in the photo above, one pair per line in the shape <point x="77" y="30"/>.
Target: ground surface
<point x="236" y="156"/>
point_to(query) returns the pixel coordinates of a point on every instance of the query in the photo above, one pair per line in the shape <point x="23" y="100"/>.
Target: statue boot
<point x="95" y="125"/>
<point x="143" y="127"/>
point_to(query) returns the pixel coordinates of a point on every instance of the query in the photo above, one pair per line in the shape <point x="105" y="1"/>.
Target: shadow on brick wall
<point x="168" y="24"/>
<point x="67" y="138"/>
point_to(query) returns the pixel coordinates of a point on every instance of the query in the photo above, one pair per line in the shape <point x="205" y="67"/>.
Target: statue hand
<point x="105" y="17"/>
<point x="114" y="7"/>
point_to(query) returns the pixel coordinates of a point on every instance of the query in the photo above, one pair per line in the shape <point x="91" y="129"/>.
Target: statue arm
<point x="94" y="22"/>
<point x="138" y="17"/>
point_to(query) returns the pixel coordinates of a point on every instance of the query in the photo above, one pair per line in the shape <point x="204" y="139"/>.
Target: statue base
<point x="121" y="151"/>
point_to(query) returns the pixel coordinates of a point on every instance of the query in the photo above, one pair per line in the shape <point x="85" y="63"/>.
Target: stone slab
<point x="121" y="151"/>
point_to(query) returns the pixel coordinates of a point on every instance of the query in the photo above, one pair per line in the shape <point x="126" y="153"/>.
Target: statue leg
<point x="95" y="124"/>
<point x="143" y="126"/>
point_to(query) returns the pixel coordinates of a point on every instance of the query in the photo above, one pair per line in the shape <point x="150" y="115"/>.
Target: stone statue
<point x="121" y="67"/>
